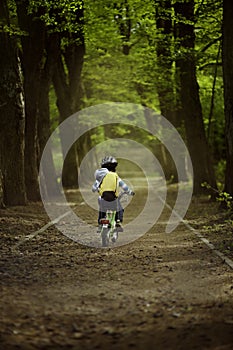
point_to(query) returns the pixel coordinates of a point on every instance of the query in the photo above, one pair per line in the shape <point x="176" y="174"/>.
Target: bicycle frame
<point x="108" y="229"/>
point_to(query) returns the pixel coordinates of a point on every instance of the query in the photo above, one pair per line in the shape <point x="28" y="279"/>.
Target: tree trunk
<point x="68" y="91"/>
<point x="164" y="59"/>
<point x="228" y="91"/>
<point x="12" y="119"/>
<point x="124" y="23"/>
<point x="64" y="103"/>
<point x="44" y="122"/>
<point x="190" y="100"/>
<point x="2" y="205"/>
<point x="74" y="56"/>
<point x="32" y="53"/>
<point x="165" y="86"/>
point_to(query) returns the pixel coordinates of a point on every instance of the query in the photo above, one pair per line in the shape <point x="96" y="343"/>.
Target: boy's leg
<point x="120" y="211"/>
<point x="119" y="216"/>
<point x="102" y="209"/>
<point x="101" y="216"/>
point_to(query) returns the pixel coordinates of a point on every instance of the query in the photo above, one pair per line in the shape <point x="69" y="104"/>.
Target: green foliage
<point x="97" y="135"/>
<point x="226" y="198"/>
<point x="54" y="114"/>
<point x="222" y="196"/>
<point x="60" y="13"/>
<point x="215" y="126"/>
<point x="109" y="74"/>
<point x="121" y="61"/>
<point x="220" y="169"/>
<point x="9" y="24"/>
<point x="208" y="53"/>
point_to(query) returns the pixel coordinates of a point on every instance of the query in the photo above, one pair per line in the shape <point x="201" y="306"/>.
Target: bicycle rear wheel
<point x="105" y="237"/>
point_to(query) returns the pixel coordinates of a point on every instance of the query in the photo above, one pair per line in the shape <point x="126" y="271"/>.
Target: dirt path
<point x="159" y="292"/>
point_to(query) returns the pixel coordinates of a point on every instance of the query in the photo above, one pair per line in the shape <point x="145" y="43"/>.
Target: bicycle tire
<point x="105" y="237"/>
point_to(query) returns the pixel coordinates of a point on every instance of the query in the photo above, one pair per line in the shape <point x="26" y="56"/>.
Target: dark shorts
<point x="109" y="201"/>
<point x="108" y="196"/>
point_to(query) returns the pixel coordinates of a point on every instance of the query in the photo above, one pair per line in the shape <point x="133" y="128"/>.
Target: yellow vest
<point x="109" y="183"/>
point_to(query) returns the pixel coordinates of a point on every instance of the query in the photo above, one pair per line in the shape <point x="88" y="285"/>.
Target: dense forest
<point x="59" y="57"/>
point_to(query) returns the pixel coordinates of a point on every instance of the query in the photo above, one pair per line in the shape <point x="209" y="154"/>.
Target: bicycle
<point x="109" y="231"/>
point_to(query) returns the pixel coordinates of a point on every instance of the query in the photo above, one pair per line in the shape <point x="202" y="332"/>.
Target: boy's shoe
<point x="119" y="228"/>
<point x="115" y="236"/>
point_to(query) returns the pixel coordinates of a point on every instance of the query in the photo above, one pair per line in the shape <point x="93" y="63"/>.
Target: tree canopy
<point x="166" y="55"/>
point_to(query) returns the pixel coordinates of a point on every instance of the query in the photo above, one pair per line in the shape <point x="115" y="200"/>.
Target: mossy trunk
<point x="228" y="91"/>
<point x="12" y="121"/>
<point x="190" y="100"/>
<point x="32" y="55"/>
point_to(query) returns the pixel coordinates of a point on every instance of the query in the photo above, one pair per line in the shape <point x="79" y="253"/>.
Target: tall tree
<point x="164" y="58"/>
<point x="67" y="80"/>
<point x="44" y="125"/>
<point x="227" y="49"/>
<point x="124" y="22"/>
<point x="32" y="55"/>
<point x="189" y="94"/>
<point x="165" y="85"/>
<point x="12" y="119"/>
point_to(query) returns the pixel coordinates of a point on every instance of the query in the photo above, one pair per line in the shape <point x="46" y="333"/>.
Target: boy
<point x="107" y="183"/>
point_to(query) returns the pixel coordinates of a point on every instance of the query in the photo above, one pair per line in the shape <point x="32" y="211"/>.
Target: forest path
<point x="163" y="291"/>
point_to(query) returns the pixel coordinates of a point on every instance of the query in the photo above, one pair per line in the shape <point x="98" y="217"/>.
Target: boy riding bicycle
<point x="107" y="183"/>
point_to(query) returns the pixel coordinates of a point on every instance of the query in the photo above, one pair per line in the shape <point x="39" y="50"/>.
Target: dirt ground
<point x="163" y="291"/>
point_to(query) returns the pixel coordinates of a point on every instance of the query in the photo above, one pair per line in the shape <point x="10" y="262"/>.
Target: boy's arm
<point x="95" y="186"/>
<point x="124" y="187"/>
<point x="99" y="174"/>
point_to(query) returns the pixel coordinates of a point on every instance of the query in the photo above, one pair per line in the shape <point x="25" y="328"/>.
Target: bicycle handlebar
<point x="126" y="193"/>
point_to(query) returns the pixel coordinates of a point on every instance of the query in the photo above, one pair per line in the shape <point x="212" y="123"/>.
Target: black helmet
<point x="109" y="162"/>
